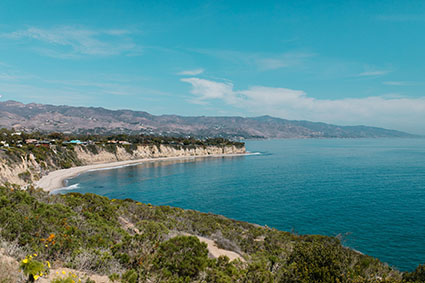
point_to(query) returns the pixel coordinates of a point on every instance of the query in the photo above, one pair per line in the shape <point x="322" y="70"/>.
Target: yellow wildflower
<point x="63" y="272"/>
<point x="41" y="273"/>
<point x="36" y="277"/>
<point x="34" y="254"/>
<point x="25" y="260"/>
<point x="48" y="263"/>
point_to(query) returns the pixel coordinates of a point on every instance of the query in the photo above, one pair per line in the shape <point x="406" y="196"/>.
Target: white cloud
<point x="77" y="41"/>
<point x="399" y="83"/>
<point x="384" y="111"/>
<point x="373" y="73"/>
<point x="194" y="72"/>
<point x="205" y="90"/>
<point x="262" y="61"/>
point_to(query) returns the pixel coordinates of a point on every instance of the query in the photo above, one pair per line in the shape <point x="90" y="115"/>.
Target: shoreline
<point x="55" y="180"/>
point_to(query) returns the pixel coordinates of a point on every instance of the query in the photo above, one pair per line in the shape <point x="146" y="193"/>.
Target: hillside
<point x="128" y="241"/>
<point x="48" y="118"/>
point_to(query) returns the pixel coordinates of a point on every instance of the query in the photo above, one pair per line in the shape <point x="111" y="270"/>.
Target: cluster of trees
<point x="12" y="138"/>
<point x="135" y="242"/>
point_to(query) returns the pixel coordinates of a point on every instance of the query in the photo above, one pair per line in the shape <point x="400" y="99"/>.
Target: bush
<point x="416" y="276"/>
<point x="185" y="256"/>
<point x="130" y="276"/>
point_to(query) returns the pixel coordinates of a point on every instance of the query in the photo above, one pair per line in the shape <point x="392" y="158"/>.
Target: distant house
<point x="44" y="143"/>
<point x="75" y="142"/>
<point x="124" y="142"/>
<point x="30" y="141"/>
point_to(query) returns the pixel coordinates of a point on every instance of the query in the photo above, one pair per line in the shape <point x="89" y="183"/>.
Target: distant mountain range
<point x="96" y="120"/>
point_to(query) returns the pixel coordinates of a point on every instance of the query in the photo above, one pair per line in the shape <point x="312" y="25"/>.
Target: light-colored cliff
<point x="22" y="172"/>
<point x="152" y="151"/>
<point x="26" y="170"/>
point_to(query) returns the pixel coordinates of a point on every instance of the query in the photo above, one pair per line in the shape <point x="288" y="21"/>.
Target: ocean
<point x="369" y="192"/>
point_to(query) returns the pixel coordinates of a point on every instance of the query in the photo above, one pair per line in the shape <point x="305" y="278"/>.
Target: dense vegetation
<point x="134" y="242"/>
<point x="58" y="138"/>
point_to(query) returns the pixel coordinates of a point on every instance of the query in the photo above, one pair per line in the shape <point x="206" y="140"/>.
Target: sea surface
<point x="369" y="191"/>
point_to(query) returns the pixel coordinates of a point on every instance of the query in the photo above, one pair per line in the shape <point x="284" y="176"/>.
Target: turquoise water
<point x="371" y="191"/>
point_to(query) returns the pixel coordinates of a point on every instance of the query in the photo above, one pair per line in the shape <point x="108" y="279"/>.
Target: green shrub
<point x="416" y="276"/>
<point x="130" y="276"/>
<point x="185" y="256"/>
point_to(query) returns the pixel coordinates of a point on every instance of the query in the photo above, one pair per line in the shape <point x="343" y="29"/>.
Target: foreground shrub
<point x="185" y="256"/>
<point x="416" y="276"/>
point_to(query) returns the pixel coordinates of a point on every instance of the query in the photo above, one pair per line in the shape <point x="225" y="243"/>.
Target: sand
<point x="56" y="179"/>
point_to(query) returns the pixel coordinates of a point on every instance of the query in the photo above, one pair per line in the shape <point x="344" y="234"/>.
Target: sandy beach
<point x="56" y="179"/>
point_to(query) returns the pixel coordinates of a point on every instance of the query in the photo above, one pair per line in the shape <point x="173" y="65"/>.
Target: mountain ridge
<point x="99" y="120"/>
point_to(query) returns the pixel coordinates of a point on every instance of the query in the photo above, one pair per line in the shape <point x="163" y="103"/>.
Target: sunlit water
<point x="370" y="190"/>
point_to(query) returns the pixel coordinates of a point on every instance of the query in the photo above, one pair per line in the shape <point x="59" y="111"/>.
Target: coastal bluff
<point x="153" y="151"/>
<point x="25" y="168"/>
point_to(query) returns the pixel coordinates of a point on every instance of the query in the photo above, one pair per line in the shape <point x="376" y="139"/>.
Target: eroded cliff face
<point x="25" y="170"/>
<point x="151" y="151"/>
<point x="21" y="172"/>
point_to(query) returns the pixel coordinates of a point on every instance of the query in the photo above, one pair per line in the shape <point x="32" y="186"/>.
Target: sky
<point x="340" y="62"/>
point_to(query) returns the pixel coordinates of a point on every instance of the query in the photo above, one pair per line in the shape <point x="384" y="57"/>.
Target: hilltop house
<point x="75" y="142"/>
<point x="30" y="141"/>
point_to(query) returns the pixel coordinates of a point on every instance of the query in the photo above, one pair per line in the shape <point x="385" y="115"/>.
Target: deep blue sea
<point x="371" y="191"/>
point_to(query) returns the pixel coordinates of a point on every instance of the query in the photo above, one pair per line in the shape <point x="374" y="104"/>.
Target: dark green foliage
<point x="318" y="259"/>
<point x="130" y="276"/>
<point x="111" y="148"/>
<point x="185" y="256"/>
<point x="92" y="149"/>
<point x="416" y="276"/>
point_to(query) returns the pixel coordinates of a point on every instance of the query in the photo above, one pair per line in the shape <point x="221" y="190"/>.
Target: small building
<point x="30" y="141"/>
<point x="78" y="142"/>
<point x="44" y="143"/>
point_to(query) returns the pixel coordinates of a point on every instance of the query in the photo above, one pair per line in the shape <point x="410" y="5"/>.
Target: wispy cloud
<point x="399" y="83"/>
<point x="373" y="72"/>
<point x="72" y="41"/>
<point x="194" y="72"/>
<point x="262" y="61"/>
<point x="384" y="111"/>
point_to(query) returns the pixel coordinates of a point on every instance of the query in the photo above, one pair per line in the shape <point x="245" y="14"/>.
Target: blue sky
<point x="341" y="62"/>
